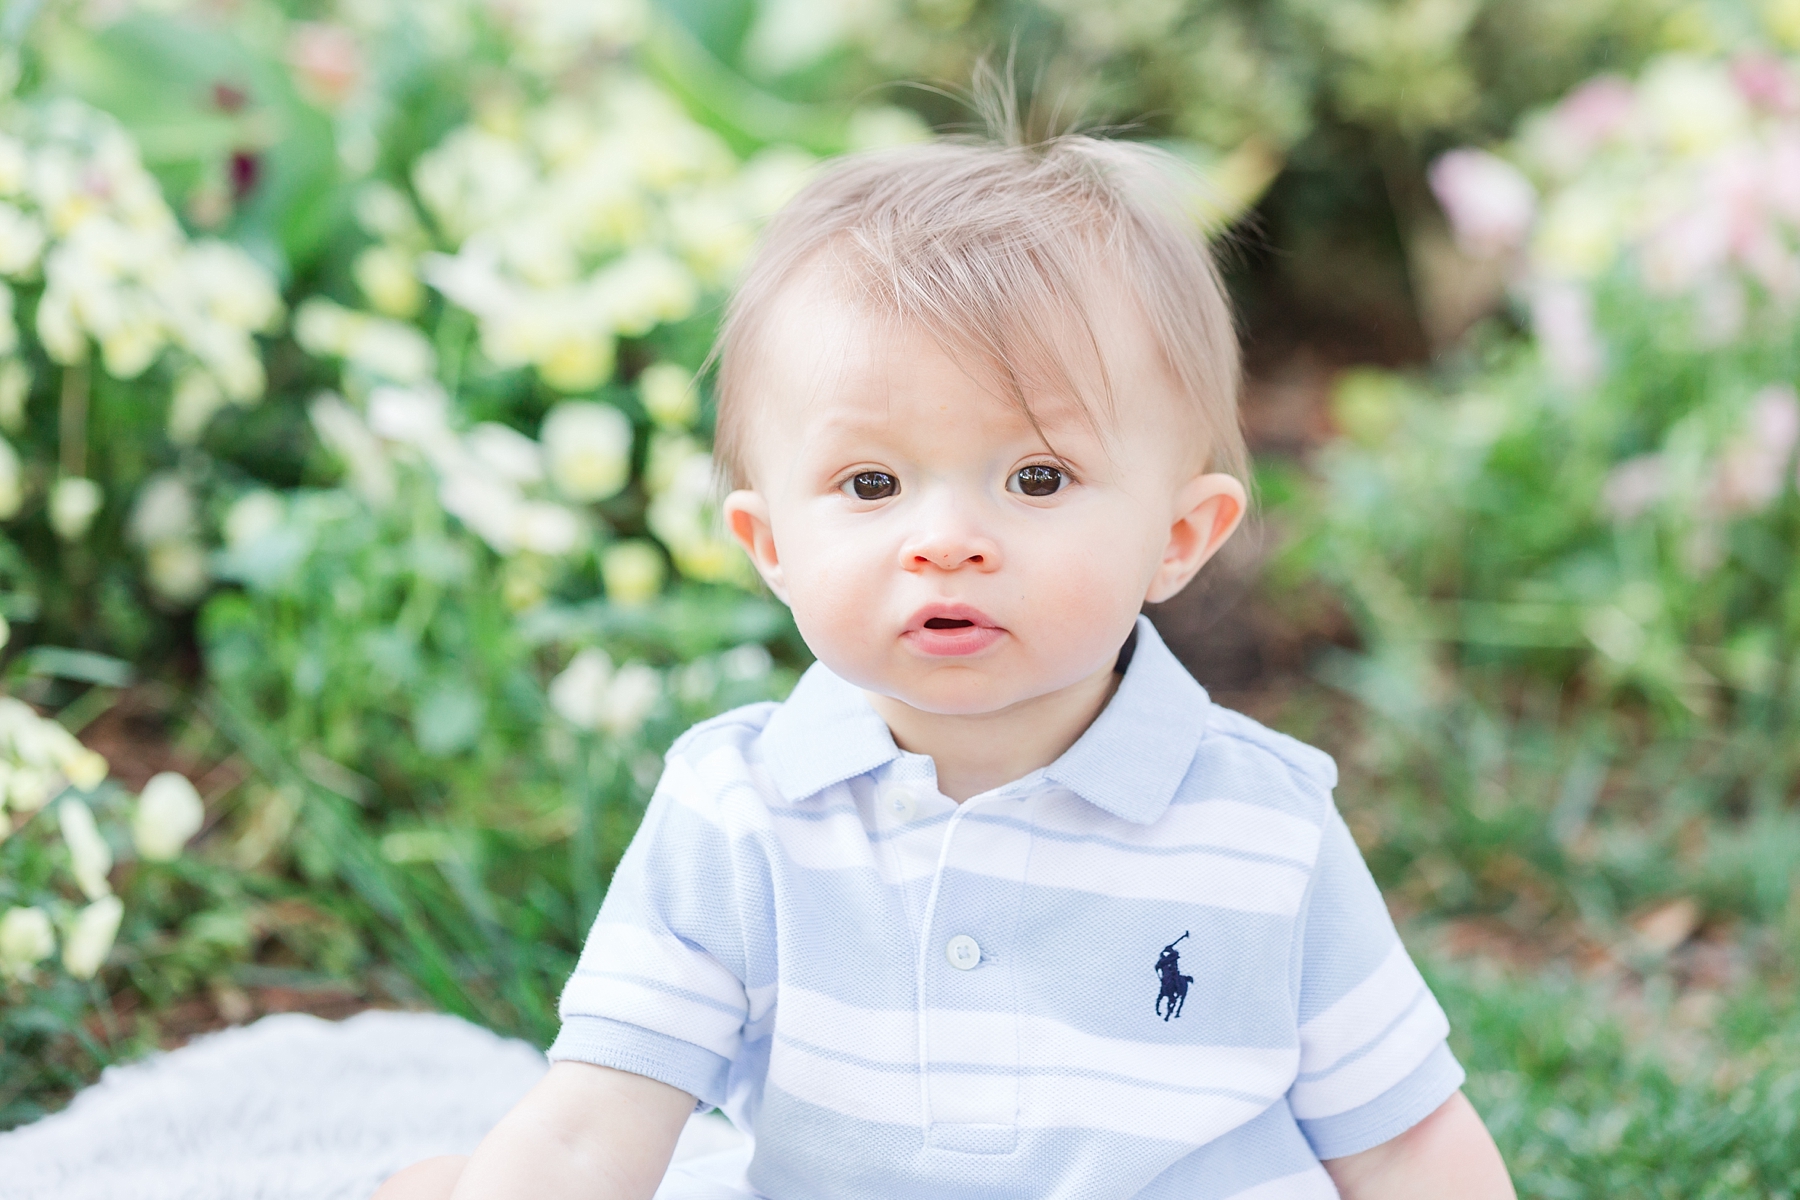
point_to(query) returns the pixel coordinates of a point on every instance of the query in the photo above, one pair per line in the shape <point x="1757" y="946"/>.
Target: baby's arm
<point x="583" y="1131"/>
<point x="1449" y="1153"/>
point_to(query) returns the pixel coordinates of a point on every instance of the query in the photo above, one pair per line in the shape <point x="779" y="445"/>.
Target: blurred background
<point x="357" y="557"/>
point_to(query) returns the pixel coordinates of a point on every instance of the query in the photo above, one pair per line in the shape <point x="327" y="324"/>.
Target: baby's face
<point x="937" y="548"/>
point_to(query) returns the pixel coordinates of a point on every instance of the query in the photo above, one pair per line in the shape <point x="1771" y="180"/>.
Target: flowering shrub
<point x="1617" y="500"/>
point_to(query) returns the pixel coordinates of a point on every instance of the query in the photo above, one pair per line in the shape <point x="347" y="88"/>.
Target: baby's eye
<point x="1037" y="480"/>
<point x="872" y="485"/>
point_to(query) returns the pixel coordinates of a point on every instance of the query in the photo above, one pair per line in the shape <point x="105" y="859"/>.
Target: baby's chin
<point x="955" y="690"/>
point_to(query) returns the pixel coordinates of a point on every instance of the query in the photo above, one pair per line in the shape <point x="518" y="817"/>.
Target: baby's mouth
<point x="947" y="623"/>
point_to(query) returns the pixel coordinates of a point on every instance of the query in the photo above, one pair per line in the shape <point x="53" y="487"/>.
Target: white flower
<point x="669" y="395"/>
<point x="588" y="446"/>
<point x="506" y="452"/>
<point x="177" y="570"/>
<point x="196" y="399"/>
<point x="473" y="179"/>
<point x="384" y="212"/>
<point x="489" y="506"/>
<point x="746" y="663"/>
<point x="644" y="288"/>
<point x="392" y="351"/>
<point x="414" y="416"/>
<point x="633" y="572"/>
<point x="21" y="241"/>
<point x="74" y="502"/>
<point x="1489" y="201"/>
<point x="91" y="858"/>
<point x="385" y="348"/>
<point x="590" y="694"/>
<point x="576" y="693"/>
<point x="629" y="697"/>
<point x="545" y="528"/>
<point x="253" y="516"/>
<point x="169" y="812"/>
<point x="12" y="489"/>
<point x="90" y="938"/>
<point x="26" y="939"/>
<point x="341" y="429"/>
<point x="1691" y="104"/>
<point x="57" y="329"/>
<point x="164" y="511"/>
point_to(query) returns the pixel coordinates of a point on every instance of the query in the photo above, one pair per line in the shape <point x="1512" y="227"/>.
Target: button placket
<point x="968" y="1020"/>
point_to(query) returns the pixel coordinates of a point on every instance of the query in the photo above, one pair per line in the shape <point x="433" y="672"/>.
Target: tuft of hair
<point x="993" y="246"/>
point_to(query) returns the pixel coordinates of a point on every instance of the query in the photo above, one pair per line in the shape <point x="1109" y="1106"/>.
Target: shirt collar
<point x="1128" y="763"/>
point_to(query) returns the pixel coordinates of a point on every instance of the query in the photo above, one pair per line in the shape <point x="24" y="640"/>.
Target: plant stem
<point x="72" y="420"/>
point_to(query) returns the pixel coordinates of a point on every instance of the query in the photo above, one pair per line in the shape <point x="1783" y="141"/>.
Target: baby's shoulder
<point x="734" y="730"/>
<point x="1242" y="759"/>
<point x="715" y="769"/>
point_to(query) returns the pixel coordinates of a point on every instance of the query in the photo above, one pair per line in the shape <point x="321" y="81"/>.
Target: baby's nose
<point x="949" y="547"/>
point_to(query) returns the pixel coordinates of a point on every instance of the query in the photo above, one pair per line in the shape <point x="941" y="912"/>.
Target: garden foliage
<point x="349" y="396"/>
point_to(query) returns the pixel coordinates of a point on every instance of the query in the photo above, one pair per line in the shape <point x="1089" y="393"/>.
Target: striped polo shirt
<point x="1157" y="967"/>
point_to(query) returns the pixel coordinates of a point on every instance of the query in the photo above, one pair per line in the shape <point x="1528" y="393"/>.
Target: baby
<point x="998" y="903"/>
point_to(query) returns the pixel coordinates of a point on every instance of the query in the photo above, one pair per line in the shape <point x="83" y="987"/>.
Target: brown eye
<point x="873" y="485"/>
<point x="1038" y="480"/>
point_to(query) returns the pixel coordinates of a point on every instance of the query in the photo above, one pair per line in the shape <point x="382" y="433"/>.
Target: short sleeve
<point x="1373" y="1056"/>
<point x="659" y="989"/>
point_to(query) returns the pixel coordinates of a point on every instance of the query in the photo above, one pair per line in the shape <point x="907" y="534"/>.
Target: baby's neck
<point x="978" y="753"/>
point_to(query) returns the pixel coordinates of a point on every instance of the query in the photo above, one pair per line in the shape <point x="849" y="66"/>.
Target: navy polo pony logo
<point x="1174" y="983"/>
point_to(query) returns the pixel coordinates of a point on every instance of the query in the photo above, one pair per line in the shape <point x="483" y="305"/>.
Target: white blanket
<point x="293" y="1108"/>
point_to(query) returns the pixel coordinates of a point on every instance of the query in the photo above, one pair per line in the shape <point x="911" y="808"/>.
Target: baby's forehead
<point x="1075" y="360"/>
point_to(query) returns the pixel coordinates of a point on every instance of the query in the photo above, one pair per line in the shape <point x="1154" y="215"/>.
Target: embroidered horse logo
<point x="1174" y="983"/>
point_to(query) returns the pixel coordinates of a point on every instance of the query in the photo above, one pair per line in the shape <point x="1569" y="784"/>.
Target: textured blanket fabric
<point x="289" y="1108"/>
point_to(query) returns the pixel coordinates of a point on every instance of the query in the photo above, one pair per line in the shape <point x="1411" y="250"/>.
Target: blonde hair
<point x="991" y="248"/>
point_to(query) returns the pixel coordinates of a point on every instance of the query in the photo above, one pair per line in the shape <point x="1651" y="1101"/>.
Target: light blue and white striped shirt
<point x="1156" y="968"/>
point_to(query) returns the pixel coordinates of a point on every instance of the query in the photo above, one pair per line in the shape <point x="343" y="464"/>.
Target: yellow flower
<point x="169" y="812"/>
<point x="588" y="449"/>
<point x="90" y="857"/>
<point x="26" y="939"/>
<point x="388" y="277"/>
<point x="669" y="395"/>
<point x="176" y="570"/>
<point x="74" y="502"/>
<point x="90" y="938"/>
<point x="633" y="572"/>
<point x="577" y="362"/>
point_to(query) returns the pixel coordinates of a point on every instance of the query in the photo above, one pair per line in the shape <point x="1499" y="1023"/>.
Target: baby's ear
<point x="1208" y="509"/>
<point x="747" y="516"/>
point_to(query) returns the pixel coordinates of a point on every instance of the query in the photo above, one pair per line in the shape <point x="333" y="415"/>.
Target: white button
<point x="963" y="952"/>
<point x="901" y="802"/>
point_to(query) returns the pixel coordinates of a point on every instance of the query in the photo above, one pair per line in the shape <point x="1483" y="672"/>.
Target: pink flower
<point x="1764" y="80"/>
<point x="1562" y="321"/>
<point x="327" y="62"/>
<point x="1595" y="111"/>
<point x="1489" y="202"/>
<point x="1781" y="173"/>
<point x="1749" y="475"/>
<point x="1634" y="486"/>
